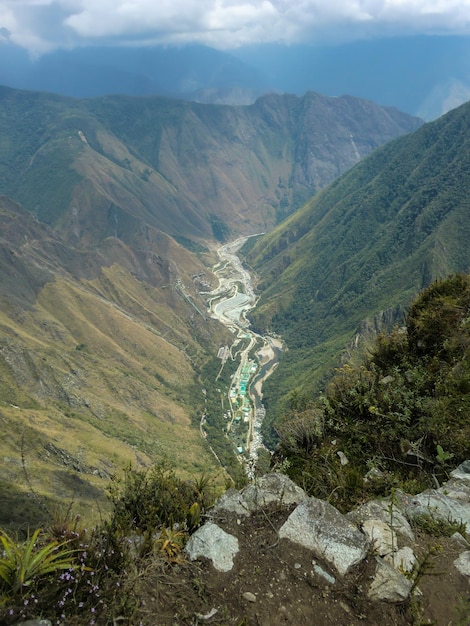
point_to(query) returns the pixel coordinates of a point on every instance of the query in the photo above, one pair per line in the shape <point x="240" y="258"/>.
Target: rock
<point x="382" y="538"/>
<point x="456" y="489"/>
<point x="248" y="596"/>
<point x="213" y="543"/>
<point x="342" y="458"/>
<point x="384" y="510"/>
<point x="402" y="560"/>
<point x="321" y="572"/>
<point x="460" y="539"/>
<point x="232" y="502"/>
<point x="373" y="475"/>
<point x="318" y="526"/>
<point x="389" y="585"/>
<point x="35" y="622"/>
<point x="462" y="472"/>
<point x="272" y="488"/>
<point x="434" y="503"/>
<point x="462" y="563"/>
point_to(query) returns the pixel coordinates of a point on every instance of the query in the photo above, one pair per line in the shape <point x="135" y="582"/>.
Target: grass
<point x="79" y="415"/>
<point x="71" y="574"/>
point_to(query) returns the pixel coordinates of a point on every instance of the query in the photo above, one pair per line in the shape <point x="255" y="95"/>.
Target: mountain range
<point x="112" y="210"/>
<point x="350" y="261"/>
<point x="378" y="69"/>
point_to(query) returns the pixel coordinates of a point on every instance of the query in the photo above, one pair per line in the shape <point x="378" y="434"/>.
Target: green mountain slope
<point x="104" y="339"/>
<point x="112" y="165"/>
<point x="359" y="251"/>
<point x="99" y="365"/>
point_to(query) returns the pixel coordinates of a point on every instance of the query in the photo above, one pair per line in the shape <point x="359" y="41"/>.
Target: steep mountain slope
<point x="364" y="247"/>
<point x="104" y="333"/>
<point x="112" y="166"/>
<point x="98" y="365"/>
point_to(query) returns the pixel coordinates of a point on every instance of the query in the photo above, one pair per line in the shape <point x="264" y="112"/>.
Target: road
<point x="229" y="303"/>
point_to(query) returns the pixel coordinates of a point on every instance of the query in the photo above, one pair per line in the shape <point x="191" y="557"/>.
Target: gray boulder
<point x="387" y="512"/>
<point x="440" y="506"/>
<point x="272" y="488"/>
<point x="389" y="585"/>
<point x="462" y="563"/>
<point x="213" y="543"/>
<point x="382" y="538"/>
<point x="320" y="527"/>
<point x="462" y="472"/>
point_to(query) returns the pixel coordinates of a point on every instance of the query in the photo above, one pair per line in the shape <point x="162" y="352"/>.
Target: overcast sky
<point x="42" y="25"/>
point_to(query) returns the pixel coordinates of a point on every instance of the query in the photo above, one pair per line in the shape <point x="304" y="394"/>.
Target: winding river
<point x="229" y="303"/>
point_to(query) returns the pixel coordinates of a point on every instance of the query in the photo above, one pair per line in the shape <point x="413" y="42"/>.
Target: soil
<point x="273" y="583"/>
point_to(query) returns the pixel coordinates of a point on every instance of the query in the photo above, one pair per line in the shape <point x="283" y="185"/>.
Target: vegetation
<point x="355" y="256"/>
<point x="403" y="413"/>
<point x="216" y="402"/>
<point x="77" y="576"/>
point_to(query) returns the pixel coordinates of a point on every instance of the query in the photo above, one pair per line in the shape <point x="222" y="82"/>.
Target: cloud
<point x="44" y="24"/>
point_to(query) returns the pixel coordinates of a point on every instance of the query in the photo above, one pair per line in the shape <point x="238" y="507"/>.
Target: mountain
<point x="99" y="359"/>
<point x="115" y="165"/>
<point x="185" y="71"/>
<point x="379" y="69"/>
<point x="352" y="258"/>
<point x="111" y="213"/>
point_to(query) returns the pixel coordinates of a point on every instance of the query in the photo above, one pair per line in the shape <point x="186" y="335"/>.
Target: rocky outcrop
<point x="319" y="527"/>
<point x="269" y="489"/>
<point x="215" y="544"/>
<point x="379" y="528"/>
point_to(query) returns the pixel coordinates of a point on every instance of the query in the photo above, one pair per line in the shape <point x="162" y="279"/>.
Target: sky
<point x="44" y="25"/>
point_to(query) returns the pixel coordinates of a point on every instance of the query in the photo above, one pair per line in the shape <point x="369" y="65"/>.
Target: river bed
<point x="229" y="303"/>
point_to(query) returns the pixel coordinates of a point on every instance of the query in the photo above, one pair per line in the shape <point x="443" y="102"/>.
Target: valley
<point x="256" y="355"/>
<point x="117" y="307"/>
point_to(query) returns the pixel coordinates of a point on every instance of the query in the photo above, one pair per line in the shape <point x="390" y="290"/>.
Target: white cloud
<point x="225" y="23"/>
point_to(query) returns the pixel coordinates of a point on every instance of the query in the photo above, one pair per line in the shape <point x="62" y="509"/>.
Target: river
<point x="229" y="303"/>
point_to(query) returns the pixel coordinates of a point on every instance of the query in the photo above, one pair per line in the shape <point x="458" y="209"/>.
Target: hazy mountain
<point x="358" y="252"/>
<point x="381" y="70"/>
<point x="417" y="74"/>
<point x="187" y="71"/>
<point x="115" y="166"/>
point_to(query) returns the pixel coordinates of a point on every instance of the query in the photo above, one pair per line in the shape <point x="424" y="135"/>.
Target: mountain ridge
<point x="367" y="243"/>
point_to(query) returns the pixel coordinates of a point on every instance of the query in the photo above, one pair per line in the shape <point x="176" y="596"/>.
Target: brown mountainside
<point x="103" y="329"/>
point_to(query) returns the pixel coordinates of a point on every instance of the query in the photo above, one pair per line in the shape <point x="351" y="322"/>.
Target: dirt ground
<point x="273" y="582"/>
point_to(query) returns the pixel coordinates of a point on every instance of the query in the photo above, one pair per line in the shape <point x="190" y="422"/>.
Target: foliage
<point x="76" y="576"/>
<point x="438" y="527"/>
<point x="404" y="411"/>
<point x="362" y="249"/>
<point x="146" y="500"/>
<point x="22" y="563"/>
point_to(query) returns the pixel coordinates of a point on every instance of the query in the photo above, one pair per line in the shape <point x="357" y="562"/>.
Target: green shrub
<point x="406" y="407"/>
<point x="146" y="500"/>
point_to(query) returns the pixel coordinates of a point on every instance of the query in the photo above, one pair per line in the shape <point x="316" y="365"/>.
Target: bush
<point x="147" y="500"/>
<point x="404" y="411"/>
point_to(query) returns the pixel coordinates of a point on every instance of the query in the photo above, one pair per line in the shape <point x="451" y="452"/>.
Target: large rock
<point x="272" y="488"/>
<point x="387" y="512"/>
<point x="462" y="563"/>
<point x="403" y="560"/>
<point x="389" y="585"/>
<point x="462" y="472"/>
<point x="440" y="506"/>
<point x="213" y="543"/>
<point x="382" y="538"/>
<point x="318" y="526"/>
